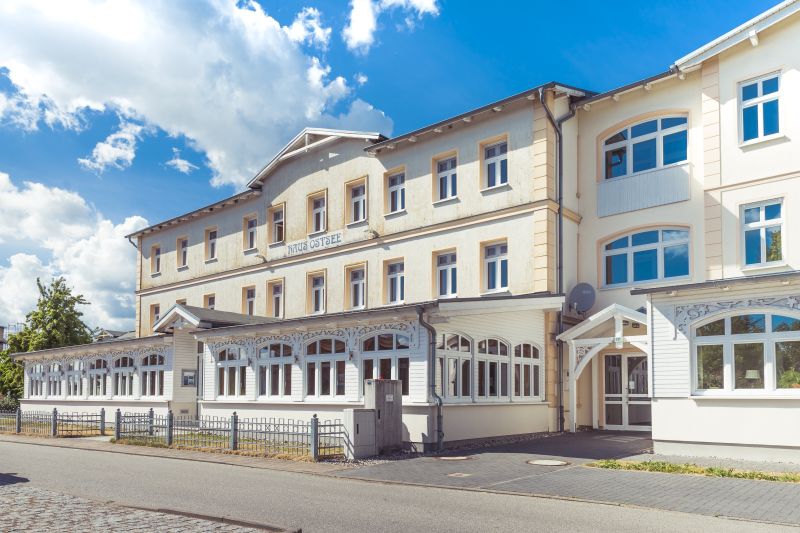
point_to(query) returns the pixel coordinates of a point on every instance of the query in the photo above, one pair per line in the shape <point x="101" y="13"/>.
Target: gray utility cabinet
<point x="385" y="396"/>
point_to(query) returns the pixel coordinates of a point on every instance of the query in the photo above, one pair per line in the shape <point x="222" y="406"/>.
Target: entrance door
<point x="627" y="404"/>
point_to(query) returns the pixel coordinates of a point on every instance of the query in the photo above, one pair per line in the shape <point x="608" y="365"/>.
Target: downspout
<point x="432" y="377"/>
<point x="557" y="126"/>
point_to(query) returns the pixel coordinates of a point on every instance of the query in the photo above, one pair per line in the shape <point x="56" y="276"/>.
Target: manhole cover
<point x="547" y="462"/>
<point x="458" y="474"/>
<point x="454" y="458"/>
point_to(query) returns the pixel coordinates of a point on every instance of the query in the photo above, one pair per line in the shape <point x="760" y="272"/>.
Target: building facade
<point x="444" y="258"/>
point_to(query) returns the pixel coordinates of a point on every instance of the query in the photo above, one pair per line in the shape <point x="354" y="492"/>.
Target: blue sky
<point x="217" y="87"/>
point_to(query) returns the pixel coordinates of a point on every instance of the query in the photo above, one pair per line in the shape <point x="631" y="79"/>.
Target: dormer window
<point x="647" y="145"/>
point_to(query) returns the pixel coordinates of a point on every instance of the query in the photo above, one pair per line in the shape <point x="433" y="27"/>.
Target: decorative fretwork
<point x="687" y="314"/>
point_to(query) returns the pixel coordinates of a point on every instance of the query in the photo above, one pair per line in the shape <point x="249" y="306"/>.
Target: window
<point x="209" y="301"/>
<point x="325" y="368"/>
<point x="493" y="367"/>
<point x="276" y="220"/>
<point x="357" y="206"/>
<point x="358" y="287"/>
<point x="153" y="367"/>
<point x="275" y="370"/>
<point x="54" y="379"/>
<point x="98" y="376"/>
<point x="383" y="356"/>
<point x="456" y="350"/>
<point x="446" y="180"/>
<point x="211" y="244"/>
<point x="183" y="252"/>
<point x="318" y="213"/>
<point x="753" y="352"/>
<point x="651" y="144"/>
<point x="758" y="107"/>
<point x="231" y="372"/>
<point x="74" y="378"/>
<point x="249" y="301"/>
<point x="762" y="228"/>
<point x="396" y="192"/>
<point x="155" y="315"/>
<point x="495" y="266"/>
<point x="317" y="293"/>
<point x="646" y="255"/>
<point x="395" y="282"/>
<point x="155" y="260"/>
<point x="36" y="380"/>
<point x="249" y="232"/>
<point x="495" y="161"/>
<point x="123" y="376"/>
<point x="527" y="371"/>
<point x="275" y="299"/>
<point x="447" y="274"/>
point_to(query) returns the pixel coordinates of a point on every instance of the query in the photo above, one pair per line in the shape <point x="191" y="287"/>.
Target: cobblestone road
<point x="32" y="509"/>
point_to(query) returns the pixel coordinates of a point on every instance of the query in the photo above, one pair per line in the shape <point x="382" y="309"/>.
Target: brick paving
<point x="29" y="509"/>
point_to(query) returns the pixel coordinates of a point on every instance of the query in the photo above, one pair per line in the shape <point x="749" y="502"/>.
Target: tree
<point x="55" y="323"/>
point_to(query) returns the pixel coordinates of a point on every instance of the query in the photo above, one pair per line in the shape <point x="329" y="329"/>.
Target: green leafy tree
<point x="56" y="322"/>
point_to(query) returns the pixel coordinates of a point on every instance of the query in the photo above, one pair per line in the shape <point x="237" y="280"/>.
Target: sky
<point x="108" y="107"/>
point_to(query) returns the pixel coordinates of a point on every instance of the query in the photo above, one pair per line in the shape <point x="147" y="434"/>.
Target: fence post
<point x="102" y="421"/>
<point x="117" y="424"/>
<point x="169" y="427"/>
<point x="19" y="420"/>
<point x="234" y="431"/>
<point x="54" y="423"/>
<point x="315" y="437"/>
<point x="150" y="422"/>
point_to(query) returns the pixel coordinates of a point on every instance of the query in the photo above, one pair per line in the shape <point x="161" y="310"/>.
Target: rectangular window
<point x="358" y="287"/>
<point x="155" y="312"/>
<point x="395" y="282"/>
<point x="495" y="161"/>
<point x="340" y="378"/>
<point x="759" y="107"/>
<point x="396" y="192"/>
<point x="210" y="301"/>
<point x="318" y="212"/>
<point x="183" y="252"/>
<point x="368" y="371"/>
<point x="155" y="260"/>
<point x="447" y="275"/>
<point x="710" y="366"/>
<point x="249" y="232"/>
<point x="357" y="208"/>
<point x="317" y="285"/>
<point x="249" y="301"/>
<point x="446" y="179"/>
<point x="495" y="264"/>
<point x="762" y="230"/>
<point x="748" y="365"/>
<point x="403" y="365"/>
<point x="276" y="221"/>
<point x="311" y="379"/>
<point x="275" y="302"/>
<point x="211" y="244"/>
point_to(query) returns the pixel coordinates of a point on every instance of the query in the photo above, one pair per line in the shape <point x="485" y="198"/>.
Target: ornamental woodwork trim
<point x="685" y="315"/>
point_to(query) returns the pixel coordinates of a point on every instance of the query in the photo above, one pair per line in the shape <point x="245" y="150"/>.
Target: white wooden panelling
<point x="647" y="189"/>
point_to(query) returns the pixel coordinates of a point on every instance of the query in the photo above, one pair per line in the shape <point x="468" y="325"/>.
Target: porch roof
<point x="203" y="318"/>
<point x="104" y="347"/>
<point x="609" y="313"/>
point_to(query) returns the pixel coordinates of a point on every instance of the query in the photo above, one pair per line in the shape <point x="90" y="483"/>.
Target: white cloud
<point x="222" y="73"/>
<point x="359" y="34"/>
<point x="118" y="150"/>
<point x="181" y="165"/>
<point x="361" y="78"/>
<point x="72" y="239"/>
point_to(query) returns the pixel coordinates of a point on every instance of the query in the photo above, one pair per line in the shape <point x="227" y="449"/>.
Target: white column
<point x="595" y="401"/>
<point x="573" y="397"/>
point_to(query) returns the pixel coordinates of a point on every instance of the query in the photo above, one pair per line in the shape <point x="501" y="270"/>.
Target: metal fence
<point x="52" y="423"/>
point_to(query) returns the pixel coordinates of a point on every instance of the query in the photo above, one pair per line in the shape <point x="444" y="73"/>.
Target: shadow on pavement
<point x="11" y="479"/>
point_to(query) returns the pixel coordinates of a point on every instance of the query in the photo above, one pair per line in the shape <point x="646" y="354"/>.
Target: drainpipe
<point x="557" y="126"/>
<point x="432" y="377"/>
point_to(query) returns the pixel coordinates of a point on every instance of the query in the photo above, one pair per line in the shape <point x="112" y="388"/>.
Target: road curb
<point x="211" y="518"/>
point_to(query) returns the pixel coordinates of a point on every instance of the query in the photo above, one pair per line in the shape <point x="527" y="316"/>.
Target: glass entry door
<point x="627" y="402"/>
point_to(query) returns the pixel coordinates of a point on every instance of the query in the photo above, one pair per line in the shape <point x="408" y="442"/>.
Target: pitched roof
<point x="200" y="317"/>
<point x="601" y="316"/>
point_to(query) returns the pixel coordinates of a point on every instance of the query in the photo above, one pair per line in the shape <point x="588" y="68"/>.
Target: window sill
<point x="250" y="251"/>
<point x="446" y="201"/>
<point x="497" y="292"/>
<point x="446" y="296"/>
<point x="183" y="268"/>
<point x="755" y="396"/>
<point x="155" y="274"/>
<point x="764" y="266"/>
<point x="210" y="261"/>
<point x="637" y="284"/>
<point x="744" y="145"/>
<point x="356" y="223"/>
<point x="276" y="244"/>
<point x="394" y="214"/>
<point x="316" y="233"/>
<point x="496" y="188"/>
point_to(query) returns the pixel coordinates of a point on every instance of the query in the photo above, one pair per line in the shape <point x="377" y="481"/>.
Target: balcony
<point x="642" y="190"/>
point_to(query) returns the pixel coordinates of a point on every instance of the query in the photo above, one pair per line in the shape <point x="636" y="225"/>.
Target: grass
<point x="693" y="469"/>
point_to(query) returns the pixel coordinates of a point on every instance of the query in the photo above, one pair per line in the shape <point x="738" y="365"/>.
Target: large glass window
<point x="395" y="282"/>
<point x="758" y="107"/>
<point x="646" y="256"/>
<point x="527" y="371"/>
<point x="456" y="350"/>
<point x="385" y="356"/>
<point x="231" y="372"/>
<point x="153" y="367"/>
<point x="493" y="368"/>
<point x="762" y="229"/>
<point x="275" y="370"/>
<point x="645" y="146"/>
<point x="748" y="352"/>
<point x="75" y="378"/>
<point x="123" y="371"/>
<point x="98" y="376"/>
<point x="325" y="368"/>
<point x="37" y="377"/>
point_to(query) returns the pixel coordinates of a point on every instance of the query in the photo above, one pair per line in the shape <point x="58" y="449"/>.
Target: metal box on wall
<point x="385" y="396"/>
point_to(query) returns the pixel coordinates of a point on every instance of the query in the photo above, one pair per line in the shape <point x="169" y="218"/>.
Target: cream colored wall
<point x="462" y="422"/>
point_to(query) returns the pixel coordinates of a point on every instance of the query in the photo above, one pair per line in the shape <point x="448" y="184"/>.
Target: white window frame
<point x="151" y="373"/>
<point x="156" y="260"/>
<point x="183" y="251"/>
<point x="357" y="278"/>
<point x="250" y="300"/>
<point x="495" y="258"/>
<point x="278" y="226"/>
<point x="122" y="376"/>
<point x="446" y="178"/>
<point x="393" y="354"/>
<point x="482" y="355"/>
<point x="280" y="355"/>
<point x="535" y="364"/>
<point x="212" y="245"/>
<point x="211" y="301"/>
<point x="98" y="377"/>
<point x="358" y="203"/>
<point x="74" y="378"/>
<point x="277" y="299"/>
<point x="252" y="236"/>
<point x="37" y="378"/>
<point x="236" y="366"/>
<point x="496" y="160"/>
<point x="318" y="214"/>
<point x="762" y="226"/>
<point x="629" y="142"/>
<point x="448" y="268"/>
<point x="759" y="102"/>
<point x="318" y="294"/>
<point x="396" y="192"/>
<point x="395" y="282"/>
<point x="318" y="361"/>
<point x="658" y="246"/>
<point x="156" y="313"/>
<point x="448" y="351"/>
<point x="54" y="379"/>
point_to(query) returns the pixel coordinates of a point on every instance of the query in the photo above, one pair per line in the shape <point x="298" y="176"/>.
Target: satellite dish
<point x="581" y="298"/>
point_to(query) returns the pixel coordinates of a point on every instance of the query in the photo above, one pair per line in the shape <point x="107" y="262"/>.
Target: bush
<point x="8" y="404"/>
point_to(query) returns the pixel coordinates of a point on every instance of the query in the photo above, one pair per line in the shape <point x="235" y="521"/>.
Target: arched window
<point x="454" y="366"/>
<point x="74" y="378"/>
<point x="153" y="367"/>
<point x="54" y="379"/>
<point x="231" y="372"/>
<point x="647" y="255"/>
<point x="37" y="380"/>
<point x="647" y="145"/>
<point x="748" y="353"/>
<point x="275" y="370"/>
<point x="527" y="371"/>
<point x="123" y="376"/>
<point x="325" y="371"/>
<point x="493" y="368"/>
<point x="378" y="361"/>
<point x="98" y="376"/>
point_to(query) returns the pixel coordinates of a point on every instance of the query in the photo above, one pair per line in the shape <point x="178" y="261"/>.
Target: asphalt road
<point x="324" y="504"/>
